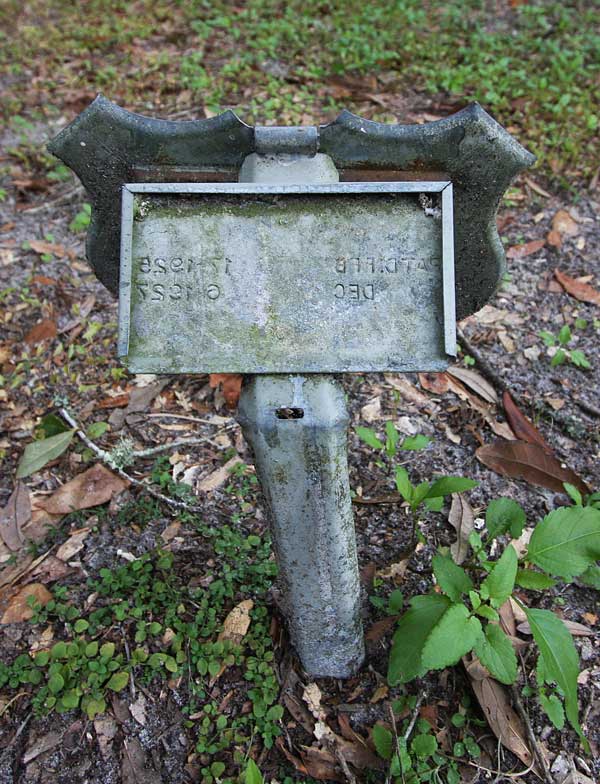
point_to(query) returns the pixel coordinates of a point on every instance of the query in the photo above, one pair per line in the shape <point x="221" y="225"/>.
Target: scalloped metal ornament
<point x="107" y="147"/>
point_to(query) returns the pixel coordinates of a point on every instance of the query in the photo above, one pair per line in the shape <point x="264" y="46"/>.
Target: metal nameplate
<point x="255" y="278"/>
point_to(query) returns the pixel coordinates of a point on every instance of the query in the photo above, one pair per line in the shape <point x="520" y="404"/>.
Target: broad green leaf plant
<point x="461" y="615"/>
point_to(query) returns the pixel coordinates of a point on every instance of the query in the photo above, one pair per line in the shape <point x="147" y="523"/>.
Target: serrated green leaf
<point x="97" y="430"/>
<point x="447" y="485"/>
<point x="496" y="653"/>
<point x="58" y="650"/>
<point x="91" y="649"/>
<point x="502" y="514"/>
<point x="435" y="504"/>
<point x="501" y="580"/>
<point x="252" y="773"/>
<point x="567" y="541"/>
<point x="424" y="746"/>
<point x="535" y="581"/>
<point x="70" y="699"/>
<point x="107" y="650"/>
<point x="384" y="741"/>
<point x="56" y="682"/>
<point x="118" y="681"/>
<point x="591" y="576"/>
<point x="414" y="443"/>
<point x="452" y="579"/>
<point x="92" y="706"/>
<point x="403" y="484"/>
<point x="391" y="438"/>
<point x="573" y="493"/>
<point x="38" y="453"/>
<point x="553" y="708"/>
<point x="560" y="659"/>
<point x="454" y="635"/>
<point x="368" y="436"/>
<point x="485" y="611"/>
<point x="411" y="634"/>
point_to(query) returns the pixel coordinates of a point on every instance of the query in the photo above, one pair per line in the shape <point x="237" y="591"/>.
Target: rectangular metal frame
<point x="177" y="188"/>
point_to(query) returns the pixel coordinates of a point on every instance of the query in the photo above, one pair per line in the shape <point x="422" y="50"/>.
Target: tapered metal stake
<point x="297" y="428"/>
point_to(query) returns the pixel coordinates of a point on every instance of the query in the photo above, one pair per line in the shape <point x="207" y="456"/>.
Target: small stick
<point x="530" y="734"/>
<point x="414" y="716"/>
<point x="155" y="450"/>
<point x="484" y="366"/>
<point x="106" y="458"/>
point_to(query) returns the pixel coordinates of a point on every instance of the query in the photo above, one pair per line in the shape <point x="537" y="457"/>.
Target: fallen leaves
<point x="526" y="249"/>
<point x="231" y="384"/>
<point x="578" y="288"/>
<point x="237" y="622"/>
<point x="18" y="608"/>
<point x="522" y="427"/>
<point x="563" y="225"/>
<point x="218" y="477"/>
<point x="14" y="516"/>
<point x="530" y="462"/>
<point x="502" y="719"/>
<point x="73" y="545"/>
<point x="462" y="519"/>
<point x="44" y="330"/>
<point x="93" y="487"/>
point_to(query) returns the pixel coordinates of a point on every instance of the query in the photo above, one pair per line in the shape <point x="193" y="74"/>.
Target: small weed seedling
<point x="558" y="345"/>
<point x="439" y="629"/>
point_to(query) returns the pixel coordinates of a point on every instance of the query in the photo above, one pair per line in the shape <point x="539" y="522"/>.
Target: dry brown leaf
<point x="45" y="330"/>
<point x="236" y="623"/>
<point x="409" y="391"/>
<point x="231" y="383"/>
<point x="507" y="619"/>
<point x="521" y="426"/>
<point x="312" y="697"/>
<point x="578" y="289"/>
<point x="436" y="383"/>
<point x="530" y="462"/>
<point x="380" y="693"/>
<point x="564" y="223"/>
<point x="50" y="570"/>
<point x="218" y="477"/>
<point x="475" y="381"/>
<point x="139" y="400"/>
<point x="462" y="519"/>
<point x="380" y="628"/>
<point x="106" y="729"/>
<point x="171" y="531"/>
<point x="73" y="544"/>
<point x="41" y="746"/>
<point x="18" y="609"/>
<point x="15" y="515"/>
<point x="93" y="487"/>
<point x="502" y="719"/>
<point x="371" y="412"/>
<point x="499" y="428"/>
<point x="42" y="247"/>
<point x="527" y="249"/>
<point x="576" y="629"/>
<point x="133" y="765"/>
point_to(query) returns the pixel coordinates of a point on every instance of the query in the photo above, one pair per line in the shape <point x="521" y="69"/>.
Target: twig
<point x="347" y="772"/>
<point x="537" y="752"/>
<point x="415" y="714"/>
<point x="482" y="363"/>
<point x="128" y="654"/>
<point x="155" y="450"/>
<point x="49" y="204"/>
<point x="106" y="458"/>
<point x="587" y="407"/>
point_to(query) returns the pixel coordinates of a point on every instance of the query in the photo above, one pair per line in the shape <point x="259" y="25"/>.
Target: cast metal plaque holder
<point x="301" y="461"/>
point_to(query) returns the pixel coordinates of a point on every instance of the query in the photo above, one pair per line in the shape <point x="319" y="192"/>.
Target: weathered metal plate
<point x="249" y="278"/>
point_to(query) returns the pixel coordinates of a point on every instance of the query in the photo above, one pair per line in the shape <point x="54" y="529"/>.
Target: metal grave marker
<point x="288" y="254"/>
<point x="287" y="279"/>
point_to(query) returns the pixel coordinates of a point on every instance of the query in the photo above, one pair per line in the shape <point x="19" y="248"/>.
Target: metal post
<point x="296" y="426"/>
